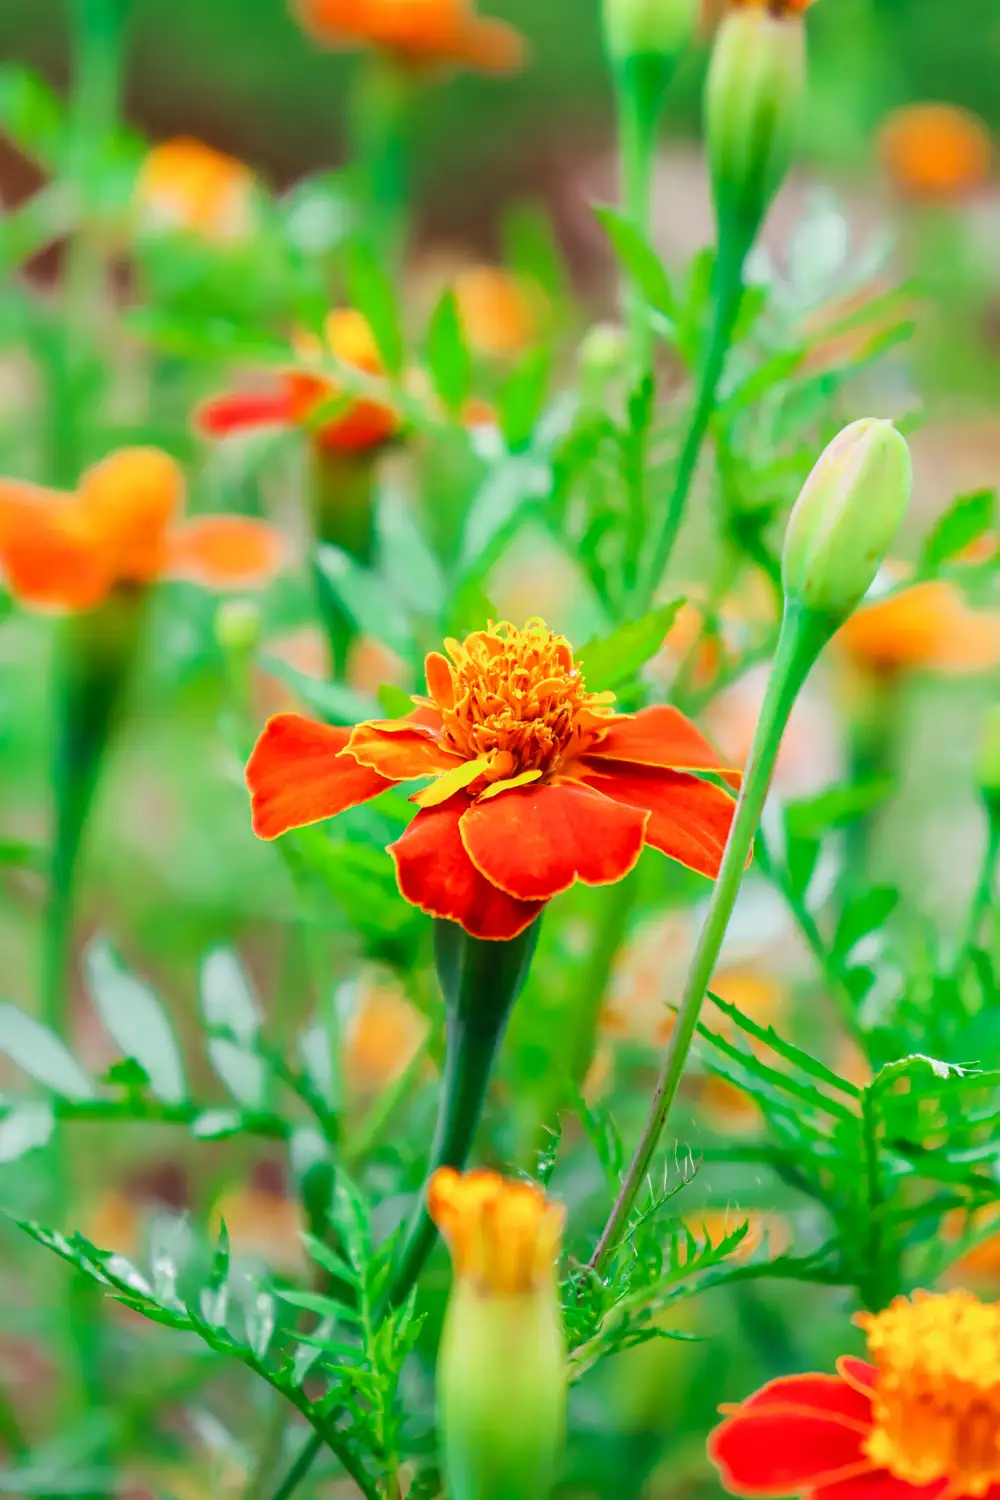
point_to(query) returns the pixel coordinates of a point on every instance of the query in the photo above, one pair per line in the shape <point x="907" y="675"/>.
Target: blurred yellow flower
<point x="935" y="151"/>
<point x="185" y="185"/>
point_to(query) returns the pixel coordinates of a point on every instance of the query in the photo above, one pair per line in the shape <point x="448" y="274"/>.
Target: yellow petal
<point x="505" y="786"/>
<point x="449" y="783"/>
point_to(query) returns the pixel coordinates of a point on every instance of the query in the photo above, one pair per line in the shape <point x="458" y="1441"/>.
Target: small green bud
<point x="636" y="27"/>
<point x="602" y="357"/>
<point x="845" y="519"/>
<point x="988" y="764"/>
<point x="502" y="1366"/>
<point x="237" y="626"/>
<point x="756" y="84"/>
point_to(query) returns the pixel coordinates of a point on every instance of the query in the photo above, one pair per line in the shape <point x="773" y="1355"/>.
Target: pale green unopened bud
<point x="237" y="626"/>
<point x="988" y="764"/>
<point x="845" y="519"/>
<point x="602" y="357"/>
<point x="755" y="90"/>
<point x="634" y="27"/>
<point x="502" y="1366"/>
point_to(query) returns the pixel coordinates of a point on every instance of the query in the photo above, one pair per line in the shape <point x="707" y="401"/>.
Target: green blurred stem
<point x="619" y="903"/>
<point x="381" y="118"/>
<point x="733" y="250"/>
<point x="983" y="895"/>
<point x="802" y="637"/>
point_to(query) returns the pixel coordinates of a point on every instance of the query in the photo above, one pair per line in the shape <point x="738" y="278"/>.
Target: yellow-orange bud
<point x="502" y="1368"/>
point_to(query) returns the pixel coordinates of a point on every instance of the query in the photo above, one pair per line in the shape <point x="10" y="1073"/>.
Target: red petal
<point x="297" y="775"/>
<point x="857" y="1372"/>
<point x="535" y="841"/>
<point x="779" y="1452"/>
<point x="662" y="736"/>
<point x="689" y="819"/>
<point x="879" y="1484"/>
<point x="813" y="1393"/>
<point x="436" y="874"/>
<point x="401" y="749"/>
<point x="243" y="411"/>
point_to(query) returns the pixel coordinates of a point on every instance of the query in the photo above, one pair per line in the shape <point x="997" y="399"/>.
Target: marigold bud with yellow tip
<point x="845" y="519"/>
<point x="502" y="1368"/>
<point x="755" y="90"/>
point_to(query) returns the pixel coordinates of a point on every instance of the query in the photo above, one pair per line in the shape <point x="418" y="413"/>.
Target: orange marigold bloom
<point x="358" y="425"/>
<point x="121" y="526"/>
<point x="184" y="184"/>
<point x="418" y="33"/>
<point x="935" y="151"/>
<point x="927" y="627"/>
<point x="536" y="783"/>
<point x="918" y="1420"/>
<point x="497" y="313"/>
<point x="504" y="1236"/>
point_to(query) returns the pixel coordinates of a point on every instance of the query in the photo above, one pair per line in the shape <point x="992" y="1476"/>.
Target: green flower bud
<point x="988" y="764"/>
<point x="502" y="1366"/>
<point x="634" y="27"/>
<point x="237" y="626"/>
<point x="756" y="84"/>
<point x="845" y="519"/>
<point x="602" y="357"/>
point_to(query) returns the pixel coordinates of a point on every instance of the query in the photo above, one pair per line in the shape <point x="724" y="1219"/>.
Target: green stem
<point x="343" y="505"/>
<point x="982" y="896"/>
<point x="380" y="120"/>
<point x="637" y="148"/>
<point x="801" y="639"/>
<point x="733" y="251"/>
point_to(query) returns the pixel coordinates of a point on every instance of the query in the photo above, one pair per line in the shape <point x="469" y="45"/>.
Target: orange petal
<point x="127" y="502"/>
<point x="400" y="749"/>
<point x="244" y="411"/>
<point x="928" y="626"/>
<point x="662" y="736"/>
<point x="297" y="775"/>
<point x="492" y="47"/>
<point x="538" y="840"/>
<point x="46" y="555"/>
<point x="225" y="552"/>
<point x="689" y="819"/>
<point x="435" y="873"/>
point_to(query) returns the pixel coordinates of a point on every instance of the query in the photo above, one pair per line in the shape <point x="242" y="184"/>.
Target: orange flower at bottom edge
<point x="935" y="151"/>
<point x="918" y="1420"/>
<point x="184" y="184"/>
<point x="362" y="424"/>
<point x="536" y="782"/>
<point x="68" y="551"/>
<point x="928" y="626"/>
<point x="419" y="33"/>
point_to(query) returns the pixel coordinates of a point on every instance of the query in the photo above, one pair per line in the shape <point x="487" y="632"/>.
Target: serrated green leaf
<point x="966" y="519"/>
<point x="448" y="357"/>
<point x="778" y="1080"/>
<point x="615" y="659"/>
<point x="784" y="1048"/>
<point x="38" y="1052"/>
<point x="136" y="1021"/>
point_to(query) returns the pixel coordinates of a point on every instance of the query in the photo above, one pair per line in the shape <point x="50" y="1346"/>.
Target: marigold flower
<point x="503" y="1236"/>
<point x="121" y="527"/>
<point x="536" y="782"/>
<point x="498" y="316"/>
<point x="935" y="151"/>
<point x="417" y="33"/>
<point x="185" y="185"/>
<point x="359" y="425"/>
<point x="928" y="627"/>
<point x="383" y="1035"/>
<point x="918" y="1420"/>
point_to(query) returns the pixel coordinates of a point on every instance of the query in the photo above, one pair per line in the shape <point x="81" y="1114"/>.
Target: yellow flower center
<point x="504" y="1236"/>
<point x="513" y="702"/>
<point x="937" y="1407"/>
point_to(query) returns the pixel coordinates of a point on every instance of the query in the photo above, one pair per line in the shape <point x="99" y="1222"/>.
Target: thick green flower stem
<point x="343" y="504"/>
<point x="641" y="83"/>
<point x="802" y="637"/>
<point x="381" y="109"/>
<point x="733" y="250"/>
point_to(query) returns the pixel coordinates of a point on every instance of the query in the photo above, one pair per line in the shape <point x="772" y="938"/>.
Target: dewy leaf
<point x="24" y="1129"/>
<point x="136" y="1021"/>
<point x="967" y="519"/>
<point x="638" y="258"/>
<point x="448" y="356"/>
<point x="616" y="658"/>
<point x="227" y="1001"/>
<point x="39" y="1053"/>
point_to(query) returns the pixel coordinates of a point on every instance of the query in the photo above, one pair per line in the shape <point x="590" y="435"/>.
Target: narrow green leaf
<point x="135" y="1021"/>
<point x="785" y="1049"/>
<point x="804" y="1091"/>
<point x="448" y="355"/>
<point x="227" y="1001"/>
<point x="615" y="659"/>
<point x="411" y="571"/>
<point x="639" y="260"/>
<point x="863" y="915"/>
<point x="25" y="1128"/>
<point x="38" y="1052"/>
<point x="532" y="251"/>
<point x="966" y="519"/>
<point x="522" y="398"/>
<point x="835" y="807"/>
<point x="363" y="595"/>
<point x="243" y="1071"/>
<point x="372" y="292"/>
<point x="334" y="702"/>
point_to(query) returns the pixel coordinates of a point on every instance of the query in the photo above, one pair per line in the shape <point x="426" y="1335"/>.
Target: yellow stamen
<point x="937" y="1407"/>
<point x="503" y="1236"/>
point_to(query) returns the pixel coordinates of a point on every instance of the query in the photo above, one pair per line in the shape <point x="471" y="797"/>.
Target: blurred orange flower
<point x="935" y="151"/>
<point x="498" y="316"/>
<point x="184" y="184"/>
<point x="928" y="627"/>
<point x="263" y="1224"/>
<point x="383" y="1036"/>
<point x="417" y="33"/>
<point x="120" y="527"/>
<point x="357" y="425"/>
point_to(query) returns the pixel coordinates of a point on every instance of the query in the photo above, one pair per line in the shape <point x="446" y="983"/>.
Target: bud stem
<point x="733" y="251"/>
<point x="803" y="636"/>
<point x="641" y="88"/>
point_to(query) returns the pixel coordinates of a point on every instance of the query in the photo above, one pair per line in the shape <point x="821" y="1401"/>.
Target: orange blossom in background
<point x="536" y="782"/>
<point x="122" y="526"/>
<point x="927" y="627"/>
<point x="185" y="185"/>
<point x="935" y="151"/>
<point x="416" y="33"/>
<point x="918" y="1420"/>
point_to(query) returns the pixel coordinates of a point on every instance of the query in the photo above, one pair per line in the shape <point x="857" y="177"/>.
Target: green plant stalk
<point x="734" y="247"/>
<point x="982" y="895"/>
<point x="380" y="119"/>
<point x="802" y="637"/>
<point x="343" y="507"/>
<point x="481" y="981"/>
<point x="641" y="85"/>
